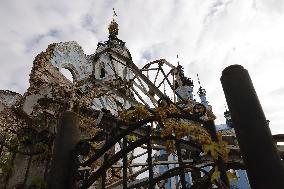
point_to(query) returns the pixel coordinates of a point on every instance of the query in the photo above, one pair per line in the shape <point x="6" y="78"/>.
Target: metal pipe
<point x="181" y="165"/>
<point x="124" y="162"/>
<point x="104" y="175"/>
<point x="150" y="163"/>
<point x="60" y="175"/>
<point x="261" y="158"/>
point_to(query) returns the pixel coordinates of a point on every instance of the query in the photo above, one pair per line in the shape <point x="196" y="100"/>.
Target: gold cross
<point x="114" y="14"/>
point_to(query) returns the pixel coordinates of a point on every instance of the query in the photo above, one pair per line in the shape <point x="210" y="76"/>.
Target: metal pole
<point x="181" y="166"/>
<point x="210" y="125"/>
<point x="150" y="163"/>
<point x="27" y="170"/>
<point x="62" y="165"/>
<point x="261" y="158"/>
<point x="104" y="175"/>
<point x="124" y="162"/>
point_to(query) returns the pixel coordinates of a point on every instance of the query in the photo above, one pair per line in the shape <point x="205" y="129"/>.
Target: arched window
<point x="103" y="72"/>
<point x="67" y="74"/>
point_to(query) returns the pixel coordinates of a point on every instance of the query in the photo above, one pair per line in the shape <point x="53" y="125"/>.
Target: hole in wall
<point x="67" y="74"/>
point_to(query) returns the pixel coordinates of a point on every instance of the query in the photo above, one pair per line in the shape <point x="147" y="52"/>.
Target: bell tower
<point x="110" y="70"/>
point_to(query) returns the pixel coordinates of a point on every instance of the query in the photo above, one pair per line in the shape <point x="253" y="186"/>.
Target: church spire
<point x="113" y="26"/>
<point x="202" y="93"/>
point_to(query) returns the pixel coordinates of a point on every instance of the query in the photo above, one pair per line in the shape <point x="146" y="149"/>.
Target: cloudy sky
<point x="207" y="35"/>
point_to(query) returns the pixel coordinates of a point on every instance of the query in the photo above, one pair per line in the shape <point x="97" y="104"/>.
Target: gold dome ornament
<point x="113" y="26"/>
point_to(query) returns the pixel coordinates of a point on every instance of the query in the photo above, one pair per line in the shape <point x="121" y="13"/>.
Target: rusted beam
<point x="94" y="176"/>
<point x="278" y="138"/>
<point x="151" y="86"/>
<point x="168" y="174"/>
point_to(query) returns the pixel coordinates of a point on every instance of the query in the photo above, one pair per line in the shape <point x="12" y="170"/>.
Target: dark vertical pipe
<point x="47" y="163"/>
<point x="124" y="162"/>
<point x="63" y="154"/>
<point x="9" y="173"/>
<point x="104" y="175"/>
<point x="1" y="149"/>
<point x="27" y="170"/>
<point x="261" y="158"/>
<point x="49" y="149"/>
<point x="150" y="163"/>
<point x="210" y="125"/>
<point x="103" y="181"/>
<point x="181" y="165"/>
<point x="195" y="176"/>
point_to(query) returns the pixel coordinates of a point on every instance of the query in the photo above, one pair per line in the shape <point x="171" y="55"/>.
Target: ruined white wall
<point x="70" y="55"/>
<point x="9" y="98"/>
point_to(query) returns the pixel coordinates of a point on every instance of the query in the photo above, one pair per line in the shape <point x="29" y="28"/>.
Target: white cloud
<point x="208" y="36"/>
